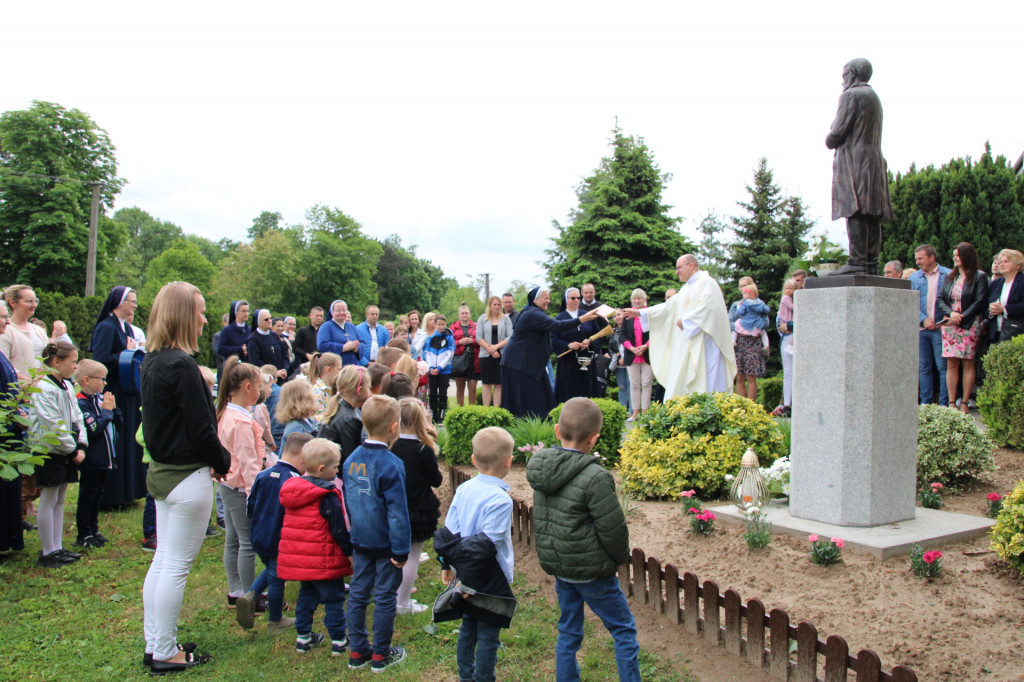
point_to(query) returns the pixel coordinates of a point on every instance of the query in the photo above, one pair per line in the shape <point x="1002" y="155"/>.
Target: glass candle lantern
<point x="749" y="488"/>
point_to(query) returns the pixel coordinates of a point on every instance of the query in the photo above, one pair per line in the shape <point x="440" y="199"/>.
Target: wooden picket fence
<point x="702" y="608"/>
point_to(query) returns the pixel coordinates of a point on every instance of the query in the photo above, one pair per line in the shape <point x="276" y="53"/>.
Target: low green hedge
<point x="951" y="448"/>
<point x="462" y="423"/>
<point x="611" y="428"/>
<point x="1000" y="399"/>
<point x="769" y="392"/>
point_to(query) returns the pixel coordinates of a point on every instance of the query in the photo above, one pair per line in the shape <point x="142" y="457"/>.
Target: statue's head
<point x="857" y="71"/>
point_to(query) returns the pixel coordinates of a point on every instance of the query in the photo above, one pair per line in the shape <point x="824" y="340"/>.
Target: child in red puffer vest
<point x="315" y="545"/>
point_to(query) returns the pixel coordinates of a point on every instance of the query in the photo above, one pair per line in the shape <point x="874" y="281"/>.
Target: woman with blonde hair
<point x="1006" y="296"/>
<point x="180" y="424"/>
<point x="417" y="449"/>
<point x="493" y="330"/>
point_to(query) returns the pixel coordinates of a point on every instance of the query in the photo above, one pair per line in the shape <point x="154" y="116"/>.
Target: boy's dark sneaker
<point x="263" y="603"/>
<point x="232" y="601"/>
<point x="67" y="553"/>
<point x="339" y="646"/>
<point x="220" y="522"/>
<point x="149" y="544"/>
<point x="357" y="660"/>
<point x="89" y="542"/>
<point x="304" y="644"/>
<point x="395" y="655"/>
<point x="99" y="536"/>
<point x="211" y="531"/>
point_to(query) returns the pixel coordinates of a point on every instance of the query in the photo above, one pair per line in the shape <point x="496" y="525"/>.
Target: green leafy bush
<point x="614" y="422"/>
<point x="769" y="392"/>
<point x="462" y="423"/>
<point x="22" y="446"/>
<point x="1008" y="533"/>
<point x="693" y="442"/>
<point x="531" y="431"/>
<point x="1000" y="399"/>
<point x="951" y="447"/>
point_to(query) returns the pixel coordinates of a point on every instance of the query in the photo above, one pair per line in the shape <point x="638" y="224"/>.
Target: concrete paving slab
<point x="930" y="528"/>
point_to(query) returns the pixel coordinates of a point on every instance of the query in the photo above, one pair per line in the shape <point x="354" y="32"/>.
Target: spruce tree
<point x="620" y="236"/>
<point x="769" y="236"/>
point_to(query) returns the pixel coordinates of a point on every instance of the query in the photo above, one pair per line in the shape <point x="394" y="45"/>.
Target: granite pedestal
<point x="854" y="429"/>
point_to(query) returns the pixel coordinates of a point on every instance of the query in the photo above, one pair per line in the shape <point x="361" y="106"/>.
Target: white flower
<point x="729" y="477"/>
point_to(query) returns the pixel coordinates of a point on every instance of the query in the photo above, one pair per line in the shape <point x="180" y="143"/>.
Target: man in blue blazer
<point x="927" y="281"/>
<point x="372" y="336"/>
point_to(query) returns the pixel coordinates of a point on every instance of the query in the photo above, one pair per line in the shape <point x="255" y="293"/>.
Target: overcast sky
<point x="464" y="127"/>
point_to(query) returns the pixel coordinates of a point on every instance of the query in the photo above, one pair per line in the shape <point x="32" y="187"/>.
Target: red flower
<point x="994" y="497"/>
<point x="936" y="486"/>
<point x="931" y="557"/>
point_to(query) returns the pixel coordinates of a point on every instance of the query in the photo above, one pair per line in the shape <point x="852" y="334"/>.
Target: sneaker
<point x="263" y="603"/>
<point x="246" y="610"/>
<point x="413" y="608"/>
<point x="395" y="655"/>
<point x="88" y="542"/>
<point x="51" y="560"/>
<point x="25" y="525"/>
<point x="276" y="627"/>
<point x="339" y="646"/>
<point x="211" y="531"/>
<point x="233" y="601"/>
<point x="99" y="536"/>
<point x="357" y="660"/>
<point x="220" y="522"/>
<point x="777" y="412"/>
<point x="149" y="544"/>
<point x="73" y="556"/>
<point x="304" y="644"/>
<point x="424" y="557"/>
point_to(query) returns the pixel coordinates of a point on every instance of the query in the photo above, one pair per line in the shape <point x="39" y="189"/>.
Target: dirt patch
<point x="966" y="625"/>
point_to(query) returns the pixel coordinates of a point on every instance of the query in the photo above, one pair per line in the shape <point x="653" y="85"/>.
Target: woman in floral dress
<point x="961" y="301"/>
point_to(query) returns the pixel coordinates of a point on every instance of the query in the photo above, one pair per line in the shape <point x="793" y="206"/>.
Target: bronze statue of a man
<point x="860" y="183"/>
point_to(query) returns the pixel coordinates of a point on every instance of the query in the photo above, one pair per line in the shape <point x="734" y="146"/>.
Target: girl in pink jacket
<point x="243" y="438"/>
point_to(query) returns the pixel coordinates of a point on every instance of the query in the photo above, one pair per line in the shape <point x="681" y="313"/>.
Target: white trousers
<point x="181" y="521"/>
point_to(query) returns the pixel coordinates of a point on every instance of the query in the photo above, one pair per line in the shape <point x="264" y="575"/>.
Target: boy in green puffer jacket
<point x="582" y="539"/>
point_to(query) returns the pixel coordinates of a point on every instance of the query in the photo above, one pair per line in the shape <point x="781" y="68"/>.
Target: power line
<point x="43" y="176"/>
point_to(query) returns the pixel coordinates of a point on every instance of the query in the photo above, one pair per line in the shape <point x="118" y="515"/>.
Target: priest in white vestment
<point x="691" y="344"/>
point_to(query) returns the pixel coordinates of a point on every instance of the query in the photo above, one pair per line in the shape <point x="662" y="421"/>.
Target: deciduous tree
<point x="48" y="157"/>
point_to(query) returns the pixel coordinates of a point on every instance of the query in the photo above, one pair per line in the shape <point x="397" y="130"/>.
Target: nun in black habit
<point x="111" y="335"/>
<point x="526" y="389"/>
<point x="571" y="380"/>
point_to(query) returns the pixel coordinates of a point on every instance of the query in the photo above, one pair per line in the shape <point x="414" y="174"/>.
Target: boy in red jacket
<point x="315" y="545"/>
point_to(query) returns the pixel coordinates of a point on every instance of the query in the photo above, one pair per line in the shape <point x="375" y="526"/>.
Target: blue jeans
<point x="930" y="350"/>
<point x="149" y="518"/>
<point x="268" y="580"/>
<point x="331" y="593"/>
<point x="606" y="600"/>
<point x="477" y="650"/>
<point x="622" y="379"/>
<point x="377" y="578"/>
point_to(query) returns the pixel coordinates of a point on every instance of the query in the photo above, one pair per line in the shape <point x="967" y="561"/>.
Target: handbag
<point x="463" y="364"/>
<point x="1010" y="329"/>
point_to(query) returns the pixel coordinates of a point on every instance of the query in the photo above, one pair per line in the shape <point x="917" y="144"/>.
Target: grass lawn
<point x="84" y="621"/>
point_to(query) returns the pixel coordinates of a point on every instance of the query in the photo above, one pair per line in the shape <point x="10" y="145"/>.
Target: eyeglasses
<point x="131" y="300"/>
<point x="103" y="379"/>
<point x="30" y="301"/>
<point x="574" y="298"/>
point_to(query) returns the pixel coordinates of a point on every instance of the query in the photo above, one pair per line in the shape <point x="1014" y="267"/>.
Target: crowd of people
<point x="321" y="454"/>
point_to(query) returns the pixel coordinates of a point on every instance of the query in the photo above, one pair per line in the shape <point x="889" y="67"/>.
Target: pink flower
<point x="693" y="510"/>
<point x="838" y="542"/>
<point x="994" y="497"/>
<point x="931" y="557"/>
<point x="812" y="538"/>
<point x="936" y="486"/>
<point x="711" y="516"/>
<point x="688" y="493"/>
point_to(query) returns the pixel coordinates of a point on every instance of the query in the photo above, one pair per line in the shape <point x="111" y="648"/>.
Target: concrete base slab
<point x="930" y="528"/>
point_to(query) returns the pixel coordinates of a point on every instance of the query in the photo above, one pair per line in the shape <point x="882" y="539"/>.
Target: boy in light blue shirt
<point x="483" y="505"/>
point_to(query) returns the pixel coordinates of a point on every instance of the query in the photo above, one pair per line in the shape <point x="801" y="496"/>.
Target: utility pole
<point x="94" y="223"/>
<point x="487" y="288"/>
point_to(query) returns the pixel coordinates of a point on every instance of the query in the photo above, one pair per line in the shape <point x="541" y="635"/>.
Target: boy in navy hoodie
<point x="99" y="410"/>
<point x="438" y="351"/>
<point x="315" y="545"/>
<point x="266" y="515"/>
<point x="374" y="481"/>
